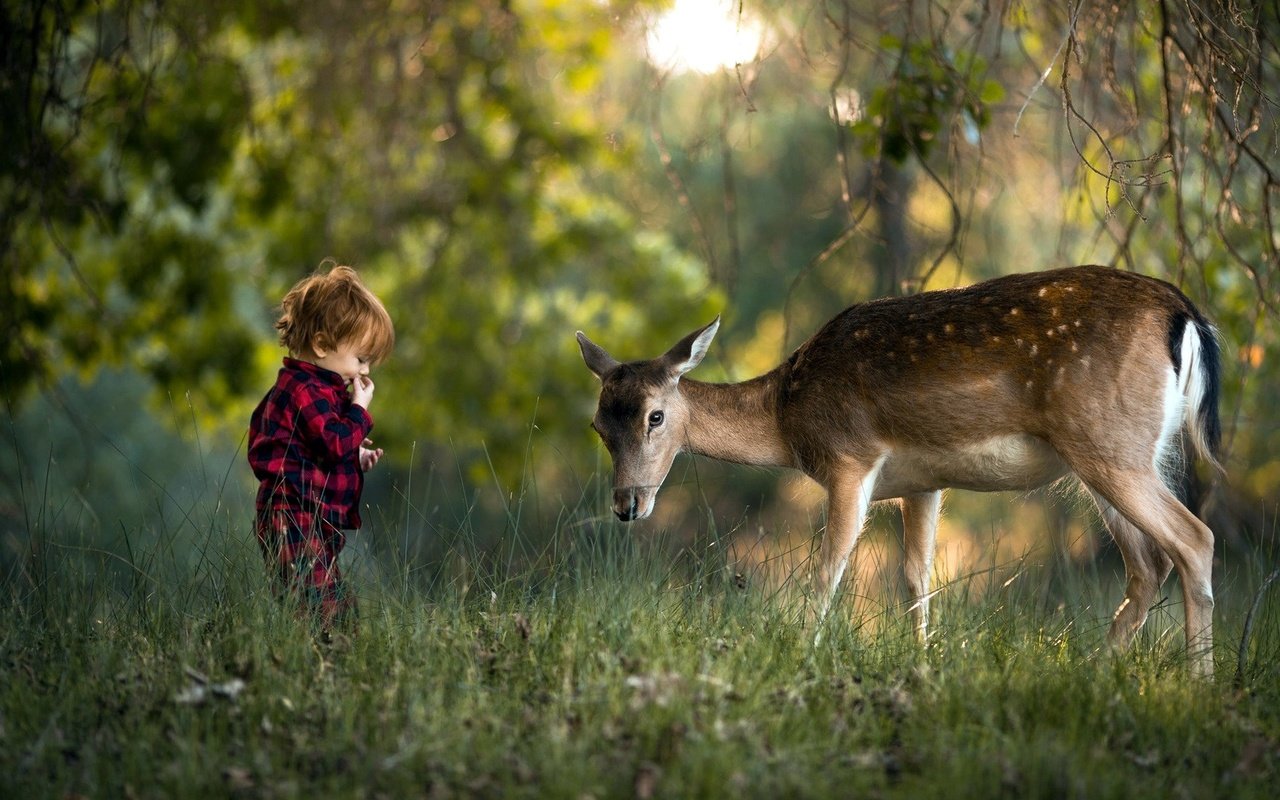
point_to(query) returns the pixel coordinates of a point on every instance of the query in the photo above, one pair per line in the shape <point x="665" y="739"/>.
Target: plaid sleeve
<point x="333" y="431"/>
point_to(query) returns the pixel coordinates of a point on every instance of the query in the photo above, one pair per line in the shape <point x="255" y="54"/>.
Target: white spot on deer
<point x="1043" y="291"/>
<point x="1035" y="349"/>
<point x="948" y="328"/>
<point x="1013" y="312"/>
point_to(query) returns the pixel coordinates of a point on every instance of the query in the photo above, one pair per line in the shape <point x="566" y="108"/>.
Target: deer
<point x="1013" y="383"/>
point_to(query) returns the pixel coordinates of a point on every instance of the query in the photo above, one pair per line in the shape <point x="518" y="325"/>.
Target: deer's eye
<point x="655" y="419"/>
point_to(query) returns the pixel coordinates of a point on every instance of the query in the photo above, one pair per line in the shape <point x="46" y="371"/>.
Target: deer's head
<point x="642" y="417"/>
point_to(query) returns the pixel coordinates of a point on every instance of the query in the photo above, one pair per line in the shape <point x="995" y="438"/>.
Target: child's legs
<point x="301" y="553"/>
<point x="329" y="596"/>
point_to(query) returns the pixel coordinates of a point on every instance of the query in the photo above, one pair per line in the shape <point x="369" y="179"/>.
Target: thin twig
<point x="1044" y="76"/>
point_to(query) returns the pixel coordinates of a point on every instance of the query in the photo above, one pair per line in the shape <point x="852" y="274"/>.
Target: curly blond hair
<point x="332" y="307"/>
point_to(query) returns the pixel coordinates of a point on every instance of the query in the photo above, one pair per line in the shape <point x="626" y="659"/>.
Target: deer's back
<point x="1019" y="355"/>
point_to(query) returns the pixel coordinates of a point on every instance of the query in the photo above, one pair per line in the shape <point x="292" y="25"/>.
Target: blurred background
<point x="506" y="172"/>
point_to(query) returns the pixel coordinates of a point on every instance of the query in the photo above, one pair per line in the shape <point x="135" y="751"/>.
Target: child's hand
<point x="362" y="391"/>
<point x="369" y="455"/>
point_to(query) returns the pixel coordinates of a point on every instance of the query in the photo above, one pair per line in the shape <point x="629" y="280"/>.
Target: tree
<point x="175" y="167"/>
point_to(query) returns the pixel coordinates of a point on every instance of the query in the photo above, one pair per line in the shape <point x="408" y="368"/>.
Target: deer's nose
<point x="626" y="504"/>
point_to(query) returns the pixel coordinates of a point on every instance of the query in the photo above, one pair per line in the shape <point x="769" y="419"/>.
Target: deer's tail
<point x="1193" y="347"/>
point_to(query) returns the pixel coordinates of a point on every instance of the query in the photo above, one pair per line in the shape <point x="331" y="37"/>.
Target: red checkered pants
<point x="301" y="552"/>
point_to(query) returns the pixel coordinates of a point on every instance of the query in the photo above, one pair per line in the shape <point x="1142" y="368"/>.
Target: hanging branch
<point x="1213" y="46"/>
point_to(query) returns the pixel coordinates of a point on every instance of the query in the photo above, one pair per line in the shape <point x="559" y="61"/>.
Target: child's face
<point x="347" y="359"/>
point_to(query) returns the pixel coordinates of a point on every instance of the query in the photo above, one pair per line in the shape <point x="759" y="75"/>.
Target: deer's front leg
<point x="920" y="537"/>
<point x="849" y="491"/>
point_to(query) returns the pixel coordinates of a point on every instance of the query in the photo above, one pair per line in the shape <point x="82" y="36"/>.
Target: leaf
<point x="199" y="693"/>
<point x="992" y="92"/>
<point x="194" y="695"/>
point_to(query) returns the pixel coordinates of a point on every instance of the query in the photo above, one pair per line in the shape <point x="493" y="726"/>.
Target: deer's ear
<point x="598" y="361"/>
<point x="689" y="351"/>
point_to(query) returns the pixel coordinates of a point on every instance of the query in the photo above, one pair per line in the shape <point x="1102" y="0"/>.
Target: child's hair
<point x="332" y="307"/>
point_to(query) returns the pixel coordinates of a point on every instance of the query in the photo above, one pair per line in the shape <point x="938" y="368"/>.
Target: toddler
<point x="309" y="437"/>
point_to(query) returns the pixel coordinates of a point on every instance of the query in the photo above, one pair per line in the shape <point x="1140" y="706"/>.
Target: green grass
<point x="607" y="666"/>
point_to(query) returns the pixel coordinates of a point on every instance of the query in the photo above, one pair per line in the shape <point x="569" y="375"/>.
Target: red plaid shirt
<point x="304" y="446"/>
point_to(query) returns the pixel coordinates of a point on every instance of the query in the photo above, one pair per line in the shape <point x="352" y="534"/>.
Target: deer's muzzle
<point x="632" y="502"/>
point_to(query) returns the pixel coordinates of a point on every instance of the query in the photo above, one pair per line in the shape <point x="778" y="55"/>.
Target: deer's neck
<point x="736" y="422"/>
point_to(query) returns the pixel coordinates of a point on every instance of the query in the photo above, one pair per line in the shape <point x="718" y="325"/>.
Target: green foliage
<point x="220" y="154"/>
<point x="930" y="91"/>
<point x="505" y="173"/>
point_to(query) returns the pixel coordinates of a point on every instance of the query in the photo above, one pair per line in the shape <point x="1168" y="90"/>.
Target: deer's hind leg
<point x="1146" y="568"/>
<point x="920" y="537"/>
<point x="1145" y="502"/>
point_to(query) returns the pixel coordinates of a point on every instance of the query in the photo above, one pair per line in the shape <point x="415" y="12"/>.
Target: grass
<point x="606" y="667"/>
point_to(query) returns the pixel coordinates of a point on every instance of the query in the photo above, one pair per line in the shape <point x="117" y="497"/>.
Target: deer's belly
<point x="1015" y="462"/>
